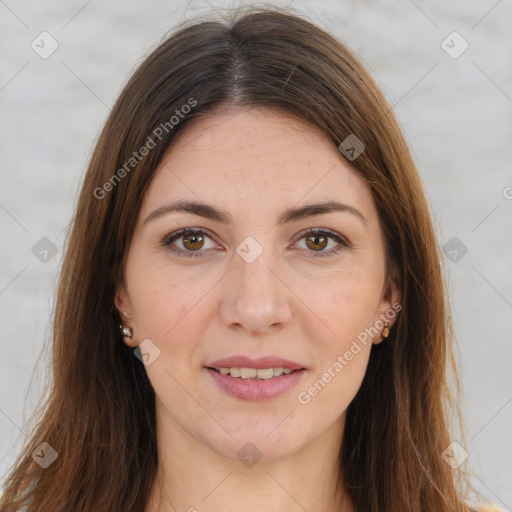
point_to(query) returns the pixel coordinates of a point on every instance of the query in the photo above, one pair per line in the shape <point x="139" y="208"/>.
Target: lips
<point x="255" y="379"/>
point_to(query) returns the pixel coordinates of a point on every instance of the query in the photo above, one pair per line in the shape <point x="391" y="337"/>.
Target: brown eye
<point x="193" y="241"/>
<point x="316" y="242"/>
<point x="188" y="242"/>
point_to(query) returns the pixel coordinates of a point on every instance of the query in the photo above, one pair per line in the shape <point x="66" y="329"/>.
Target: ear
<point x="389" y="304"/>
<point x="124" y="307"/>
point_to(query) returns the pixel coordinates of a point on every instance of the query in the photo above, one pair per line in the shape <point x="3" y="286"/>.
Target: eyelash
<point x="343" y="242"/>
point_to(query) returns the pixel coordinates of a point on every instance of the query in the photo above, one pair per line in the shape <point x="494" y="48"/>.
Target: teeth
<point x="265" y="373"/>
<point x="251" y="373"/>
<point x="247" y="373"/>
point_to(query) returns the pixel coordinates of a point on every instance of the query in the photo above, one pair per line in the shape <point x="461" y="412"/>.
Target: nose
<point x="257" y="298"/>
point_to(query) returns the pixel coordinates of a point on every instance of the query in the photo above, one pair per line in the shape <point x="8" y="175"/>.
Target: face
<point x="256" y="312"/>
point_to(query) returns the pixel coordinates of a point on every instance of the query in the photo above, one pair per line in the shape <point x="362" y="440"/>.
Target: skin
<point x="254" y="163"/>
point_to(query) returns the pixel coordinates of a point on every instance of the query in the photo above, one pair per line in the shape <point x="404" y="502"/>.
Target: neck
<point x="192" y="477"/>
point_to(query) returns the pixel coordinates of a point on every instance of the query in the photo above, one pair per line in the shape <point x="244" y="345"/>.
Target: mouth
<point x="254" y="373"/>
<point x="249" y="383"/>
<point x="260" y="379"/>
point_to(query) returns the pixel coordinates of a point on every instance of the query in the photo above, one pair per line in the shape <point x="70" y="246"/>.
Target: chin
<point x="261" y="441"/>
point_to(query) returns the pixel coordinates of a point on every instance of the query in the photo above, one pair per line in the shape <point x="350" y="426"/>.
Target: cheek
<point x="163" y="299"/>
<point x="171" y="309"/>
<point x="165" y="310"/>
<point x="347" y="307"/>
<point x="341" y="355"/>
<point x="345" y="351"/>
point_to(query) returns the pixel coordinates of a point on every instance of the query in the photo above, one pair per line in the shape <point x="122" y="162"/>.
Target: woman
<point x="251" y="310"/>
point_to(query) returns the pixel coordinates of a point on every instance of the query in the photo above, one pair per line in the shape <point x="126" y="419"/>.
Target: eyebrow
<point x="223" y="216"/>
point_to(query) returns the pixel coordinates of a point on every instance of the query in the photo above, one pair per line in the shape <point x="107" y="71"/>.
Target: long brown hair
<point x="100" y="414"/>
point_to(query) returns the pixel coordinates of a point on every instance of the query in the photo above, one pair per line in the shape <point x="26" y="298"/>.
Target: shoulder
<point x="487" y="508"/>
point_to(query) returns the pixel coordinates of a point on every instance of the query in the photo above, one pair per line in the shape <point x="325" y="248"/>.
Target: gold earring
<point x="385" y="331"/>
<point x="126" y="332"/>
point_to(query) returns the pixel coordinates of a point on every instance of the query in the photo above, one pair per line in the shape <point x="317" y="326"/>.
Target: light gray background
<point x="456" y="113"/>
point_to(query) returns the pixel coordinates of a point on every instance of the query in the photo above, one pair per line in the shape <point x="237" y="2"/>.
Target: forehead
<point x="255" y="158"/>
